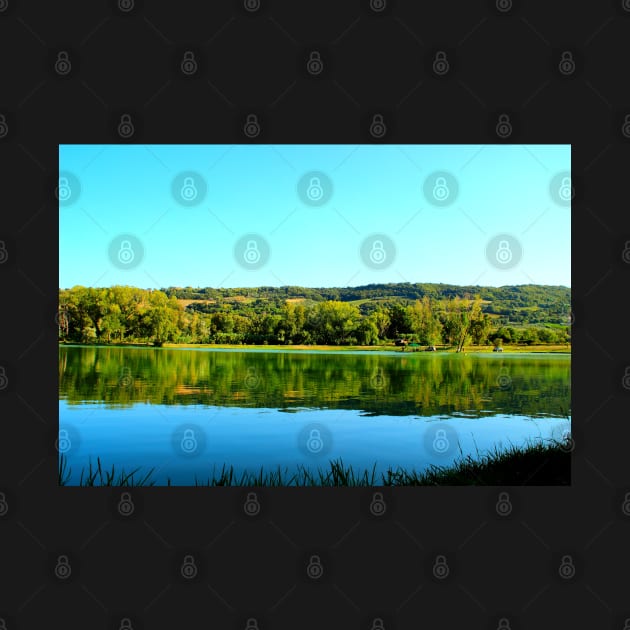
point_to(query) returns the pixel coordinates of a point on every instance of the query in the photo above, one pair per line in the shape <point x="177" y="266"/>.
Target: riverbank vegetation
<point x="537" y="464"/>
<point x="426" y="314"/>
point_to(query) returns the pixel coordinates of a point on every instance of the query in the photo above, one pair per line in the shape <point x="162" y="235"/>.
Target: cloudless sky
<point x="253" y="189"/>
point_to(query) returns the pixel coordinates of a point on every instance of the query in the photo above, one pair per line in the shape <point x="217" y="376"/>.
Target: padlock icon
<point x="125" y="380"/>
<point x="378" y="255"/>
<point x="189" y="568"/>
<point x="4" y="379"/>
<point x="440" y="63"/>
<point x="315" y="64"/>
<point x="126" y="254"/>
<point x="625" y="506"/>
<point x="625" y="128"/>
<point x="64" y="192"/>
<point x="62" y="64"/>
<point x="63" y="569"/>
<point x="378" y="380"/>
<point x="252" y="505"/>
<point x="504" y="126"/>
<point x="315" y="570"/>
<point x="378" y="505"/>
<point x="503" y="380"/>
<point x="440" y="568"/>
<point x="378" y="128"/>
<point x="252" y="380"/>
<point x="503" y="253"/>
<point x="4" y="506"/>
<point x="441" y="191"/>
<point x="625" y="255"/>
<point x="567" y="568"/>
<point x="126" y="5"/>
<point x="4" y="254"/>
<point x="315" y="443"/>
<point x="125" y="126"/>
<point x="251" y="624"/>
<point x="189" y="63"/>
<point x="125" y="624"/>
<point x="441" y="443"/>
<point x="504" y="624"/>
<point x="626" y="378"/>
<point x="567" y="63"/>
<point x="377" y="624"/>
<point x="125" y="505"/>
<point x="378" y="5"/>
<point x="64" y="443"/>
<point x="4" y="128"/>
<point x="189" y="441"/>
<point x="504" y="505"/>
<point x="504" y="5"/>
<point x="189" y="191"/>
<point x="566" y="191"/>
<point x="315" y="191"/>
<point x="251" y="5"/>
<point x="252" y="126"/>
<point x="251" y="253"/>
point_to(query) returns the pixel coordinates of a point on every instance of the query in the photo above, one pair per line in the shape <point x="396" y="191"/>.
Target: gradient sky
<point x="253" y="189"/>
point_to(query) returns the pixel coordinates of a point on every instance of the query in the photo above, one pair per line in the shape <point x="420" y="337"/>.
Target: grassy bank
<point x="537" y="464"/>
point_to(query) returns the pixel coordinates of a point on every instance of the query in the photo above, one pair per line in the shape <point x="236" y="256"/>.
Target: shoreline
<point x="507" y="349"/>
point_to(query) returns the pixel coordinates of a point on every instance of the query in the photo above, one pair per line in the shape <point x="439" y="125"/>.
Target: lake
<point x="185" y="412"/>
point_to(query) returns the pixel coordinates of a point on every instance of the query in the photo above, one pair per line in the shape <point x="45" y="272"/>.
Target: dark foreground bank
<point x="538" y="464"/>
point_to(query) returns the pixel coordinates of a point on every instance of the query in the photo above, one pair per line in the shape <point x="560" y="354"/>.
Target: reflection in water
<point x="186" y="412"/>
<point x="393" y="384"/>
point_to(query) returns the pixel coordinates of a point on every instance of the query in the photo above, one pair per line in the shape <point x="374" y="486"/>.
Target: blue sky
<point x="382" y="193"/>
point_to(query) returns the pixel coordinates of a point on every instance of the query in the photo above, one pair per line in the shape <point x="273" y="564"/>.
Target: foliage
<point x="429" y="314"/>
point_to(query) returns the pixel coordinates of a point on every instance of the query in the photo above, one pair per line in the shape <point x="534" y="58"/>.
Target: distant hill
<point x="519" y="304"/>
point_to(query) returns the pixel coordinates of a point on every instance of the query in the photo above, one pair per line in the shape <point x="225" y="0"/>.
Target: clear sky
<point x="386" y="218"/>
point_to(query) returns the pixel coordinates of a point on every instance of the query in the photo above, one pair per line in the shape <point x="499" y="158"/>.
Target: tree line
<point x="122" y="314"/>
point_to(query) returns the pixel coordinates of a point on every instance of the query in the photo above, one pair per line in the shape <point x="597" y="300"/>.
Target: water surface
<point x="187" y="411"/>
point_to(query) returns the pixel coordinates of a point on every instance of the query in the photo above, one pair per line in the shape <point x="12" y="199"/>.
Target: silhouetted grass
<point x="536" y="464"/>
<point x="97" y="476"/>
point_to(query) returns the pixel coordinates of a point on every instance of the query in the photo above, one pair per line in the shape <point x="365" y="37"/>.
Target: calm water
<point x="184" y="412"/>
